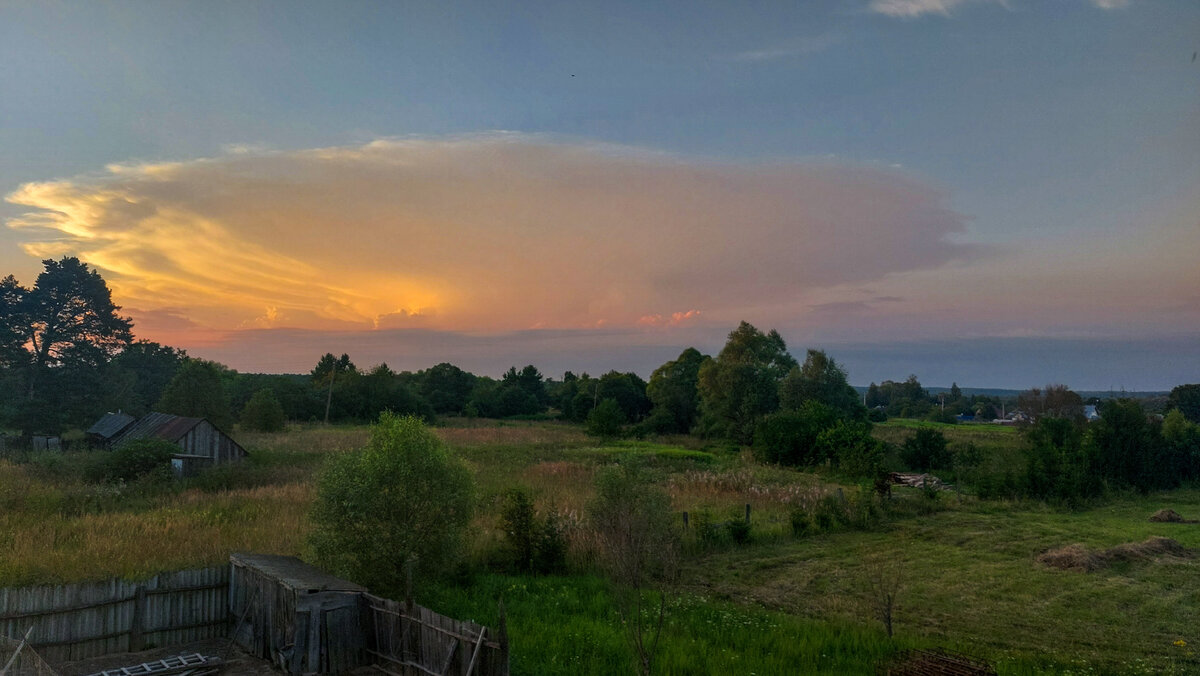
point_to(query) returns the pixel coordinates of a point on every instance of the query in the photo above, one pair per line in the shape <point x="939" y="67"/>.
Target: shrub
<point x="520" y="527"/>
<point x="606" y="419"/>
<point x="739" y="530"/>
<point x="263" y="413"/>
<point x="801" y="522"/>
<point x="135" y="460"/>
<point x="926" y="450"/>
<point x="401" y="497"/>
<point x="790" y="437"/>
<point x="877" y="415"/>
<point x="550" y="550"/>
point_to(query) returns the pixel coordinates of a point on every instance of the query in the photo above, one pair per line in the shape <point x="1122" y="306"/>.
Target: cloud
<point x="908" y="9"/>
<point x="494" y="232"/>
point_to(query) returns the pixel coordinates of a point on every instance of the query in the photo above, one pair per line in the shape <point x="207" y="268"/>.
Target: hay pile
<point x="1080" y="558"/>
<point x="1169" y="516"/>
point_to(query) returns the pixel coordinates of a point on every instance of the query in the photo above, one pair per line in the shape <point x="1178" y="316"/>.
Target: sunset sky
<point x="1001" y="194"/>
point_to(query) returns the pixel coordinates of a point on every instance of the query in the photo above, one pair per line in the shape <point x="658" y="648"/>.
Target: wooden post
<point x="502" y="639"/>
<point x="747" y="512"/>
<point x="136" y="638"/>
<point x="685" y="520"/>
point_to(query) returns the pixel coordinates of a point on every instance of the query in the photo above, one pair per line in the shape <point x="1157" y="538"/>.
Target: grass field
<point x="777" y="605"/>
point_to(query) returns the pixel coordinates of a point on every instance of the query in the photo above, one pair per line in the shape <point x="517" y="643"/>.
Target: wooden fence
<point x="411" y="640"/>
<point x="77" y="621"/>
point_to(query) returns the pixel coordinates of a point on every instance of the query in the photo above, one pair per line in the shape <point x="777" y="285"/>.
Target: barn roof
<point x="159" y="426"/>
<point x="111" y="424"/>
<point x="293" y="572"/>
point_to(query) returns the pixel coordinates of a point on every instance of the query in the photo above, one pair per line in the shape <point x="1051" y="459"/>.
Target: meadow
<point x="777" y="604"/>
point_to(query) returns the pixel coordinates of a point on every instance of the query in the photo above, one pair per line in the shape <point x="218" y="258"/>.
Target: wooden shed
<point x="302" y="619"/>
<point x="107" y="428"/>
<point x="201" y="444"/>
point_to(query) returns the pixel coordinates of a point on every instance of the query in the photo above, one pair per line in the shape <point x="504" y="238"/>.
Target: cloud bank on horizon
<point x="589" y="247"/>
<point x="495" y="232"/>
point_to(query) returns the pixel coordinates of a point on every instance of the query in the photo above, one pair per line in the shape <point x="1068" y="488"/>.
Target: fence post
<point x="685" y="520"/>
<point x="747" y="512"/>
<point x="502" y="639"/>
<point x="136" y="642"/>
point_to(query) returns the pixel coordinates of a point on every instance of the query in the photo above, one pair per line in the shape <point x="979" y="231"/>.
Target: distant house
<point x="201" y="444"/>
<point x="108" y="428"/>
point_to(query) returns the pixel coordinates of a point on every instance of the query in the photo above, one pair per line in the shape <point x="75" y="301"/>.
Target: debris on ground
<point x="914" y="480"/>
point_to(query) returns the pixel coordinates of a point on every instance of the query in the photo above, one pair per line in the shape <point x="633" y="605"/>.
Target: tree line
<point x="68" y="356"/>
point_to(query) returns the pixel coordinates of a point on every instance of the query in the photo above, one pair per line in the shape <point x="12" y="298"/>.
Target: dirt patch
<point x="237" y="662"/>
<point x="1170" y="516"/>
<point x="1080" y="558"/>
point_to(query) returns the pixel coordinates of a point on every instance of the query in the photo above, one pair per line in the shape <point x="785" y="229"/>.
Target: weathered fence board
<point x="411" y="640"/>
<point x="77" y="621"/>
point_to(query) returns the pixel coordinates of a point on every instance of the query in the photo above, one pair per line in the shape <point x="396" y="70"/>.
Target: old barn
<point x="201" y="444"/>
<point x="107" y="428"/>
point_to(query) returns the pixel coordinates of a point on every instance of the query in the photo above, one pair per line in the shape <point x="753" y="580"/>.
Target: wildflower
<point x="1180" y="643"/>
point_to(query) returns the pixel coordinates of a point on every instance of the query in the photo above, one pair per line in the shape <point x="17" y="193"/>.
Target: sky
<point x="998" y="194"/>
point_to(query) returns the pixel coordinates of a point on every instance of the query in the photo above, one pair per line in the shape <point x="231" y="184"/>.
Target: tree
<point x="741" y="385"/>
<point x="926" y="450"/>
<point x="1056" y="401"/>
<point x="821" y="379"/>
<point x="197" y="391"/>
<point x="66" y="319"/>
<point x="1186" y="399"/>
<point x="606" y="419"/>
<point x="791" y="437"/>
<point x="141" y="372"/>
<point x="673" y="394"/>
<point x="446" y="387"/>
<point x="263" y="413"/>
<point x="12" y="334"/>
<point x="639" y="550"/>
<point x="325" y="373"/>
<point x="403" y="497"/>
<point x="1127" y="450"/>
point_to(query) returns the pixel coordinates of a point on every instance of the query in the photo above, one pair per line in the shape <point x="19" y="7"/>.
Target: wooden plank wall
<point x="77" y="621"/>
<point x="412" y="640"/>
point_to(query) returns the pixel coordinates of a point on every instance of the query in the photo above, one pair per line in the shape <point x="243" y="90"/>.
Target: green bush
<point x="263" y="413"/>
<point x="926" y="450"/>
<point x="739" y="530"/>
<point x="801" y="522"/>
<point x="791" y="437"/>
<point x="401" y="497"/>
<point x="520" y="527"/>
<point x="606" y="419"/>
<point x="135" y="460"/>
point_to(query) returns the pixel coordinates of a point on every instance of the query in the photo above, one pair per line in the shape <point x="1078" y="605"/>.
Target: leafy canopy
<point x="401" y="497"/>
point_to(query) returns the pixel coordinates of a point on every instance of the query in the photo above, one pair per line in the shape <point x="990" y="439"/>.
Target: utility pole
<point x="329" y="395"/>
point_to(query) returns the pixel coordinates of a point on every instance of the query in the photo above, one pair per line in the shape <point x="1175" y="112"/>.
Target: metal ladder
<point x="169" y="665"/>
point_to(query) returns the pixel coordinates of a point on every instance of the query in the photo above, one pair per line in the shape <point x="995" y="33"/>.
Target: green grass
<point x="568" y="625"/>
<point x="778" y="605"/>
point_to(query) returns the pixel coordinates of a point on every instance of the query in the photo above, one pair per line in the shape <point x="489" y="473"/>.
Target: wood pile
<point x="936" y="663"/>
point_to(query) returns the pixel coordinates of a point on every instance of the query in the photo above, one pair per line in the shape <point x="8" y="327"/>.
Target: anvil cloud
<point x="494" y="232"/>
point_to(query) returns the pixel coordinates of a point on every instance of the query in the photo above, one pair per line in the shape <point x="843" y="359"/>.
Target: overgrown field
<point x="779" y="604"/>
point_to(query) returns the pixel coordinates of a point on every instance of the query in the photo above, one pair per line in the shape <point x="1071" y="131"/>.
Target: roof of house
<point x="111" y="424"/>
<point x="293" y="572"/>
